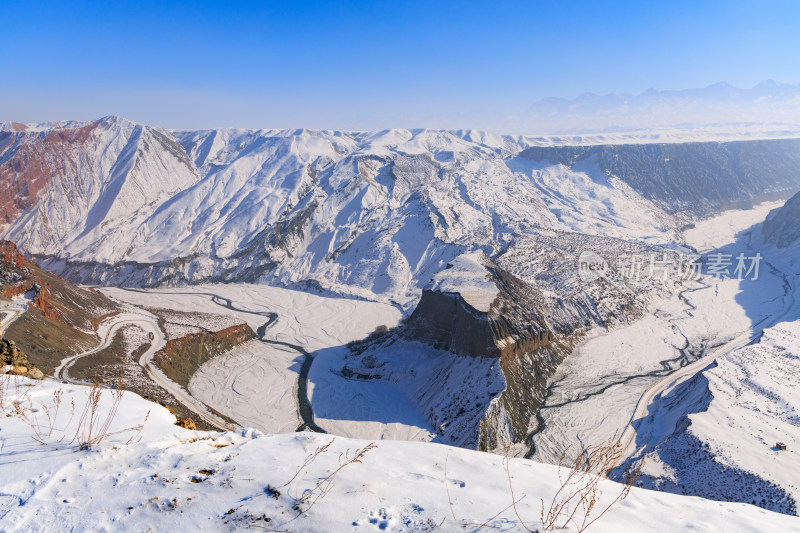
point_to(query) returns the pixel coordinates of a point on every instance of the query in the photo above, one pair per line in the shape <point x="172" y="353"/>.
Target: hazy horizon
<point x="359" y="66"/>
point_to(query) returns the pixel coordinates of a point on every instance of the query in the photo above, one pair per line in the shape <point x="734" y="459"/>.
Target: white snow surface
<point x="755" y="405"/>
<point x="467" y="276"/>
<point x="719" y="230"/>
<point x="415" y="384"/>
<point x="306" y="319"/>
<point x="166" y="477"/>
<point x="595" y="390"/>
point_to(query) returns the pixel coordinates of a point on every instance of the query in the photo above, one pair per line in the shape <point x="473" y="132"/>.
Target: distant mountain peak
<point x="720" y="103"/>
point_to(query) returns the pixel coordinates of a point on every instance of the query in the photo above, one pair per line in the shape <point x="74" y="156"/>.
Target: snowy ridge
<point x="367" y="214"/>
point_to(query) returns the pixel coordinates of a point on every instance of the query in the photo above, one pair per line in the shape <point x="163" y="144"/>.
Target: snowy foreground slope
<point x="165" y="477"/>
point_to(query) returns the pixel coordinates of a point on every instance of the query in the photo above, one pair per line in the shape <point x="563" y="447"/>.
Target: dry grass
<point x="577" y="502"/>
<point x="311" y="496"/>
<point x="323" y="487"/>
<point x="46" y="418"/>
<point x="94" y="423"/>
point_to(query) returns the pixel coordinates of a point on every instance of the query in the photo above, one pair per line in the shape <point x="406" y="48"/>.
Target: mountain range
<point x="372" y="215"/>
<point x="719" y="105"/>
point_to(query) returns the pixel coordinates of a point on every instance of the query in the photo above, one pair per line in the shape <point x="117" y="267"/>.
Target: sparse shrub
<point x="186" y="423"/>
<point x="311" y="496"/>
<point x="577" y="498"/>
<point x="93" y="425"/>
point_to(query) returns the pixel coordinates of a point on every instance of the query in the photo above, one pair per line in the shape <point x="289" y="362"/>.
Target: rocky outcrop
<point x="181" y="357"/>
<point x="18" y="278"/>
<point x="516" y="329"/>
<point x="11" y="255"/>
<point x="43" y="302"/>
<point x="15" y="362"/>
<point x="447" y="322"/>
<point x="15" y="273"/>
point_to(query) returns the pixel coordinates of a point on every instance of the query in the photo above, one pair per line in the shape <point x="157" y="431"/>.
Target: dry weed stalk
<point x="579" y="493"/>
<point x="16" y="396"/>
<point x="43" y="431"/>
<point x="324" y="486"/>
<point x="94" y="423"/>
<point x="308" y="460"/>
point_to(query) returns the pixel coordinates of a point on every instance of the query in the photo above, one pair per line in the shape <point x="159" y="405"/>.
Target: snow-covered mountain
<point x="368" y="214"/>
<point x="479" y="240"/>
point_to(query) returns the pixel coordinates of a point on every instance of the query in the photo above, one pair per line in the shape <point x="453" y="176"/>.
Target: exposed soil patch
<point x="182" y="357"/>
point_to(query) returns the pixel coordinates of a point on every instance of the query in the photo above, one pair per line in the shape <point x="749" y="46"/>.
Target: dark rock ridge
<point x="518" y="330"/>
<point x="447" y="322"/>
<point x="782" y="227"/>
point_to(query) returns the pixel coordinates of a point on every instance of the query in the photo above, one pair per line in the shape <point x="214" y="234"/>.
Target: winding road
<point x="645" y="404"/>
<point x="11" y="311"/>
<point x="149" y="324"/>
<point x="304" y="407"/>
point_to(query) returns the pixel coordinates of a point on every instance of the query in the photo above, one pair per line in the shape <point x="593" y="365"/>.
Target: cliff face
<point x="699" y="177"/>
<point x="782" y="227"/>
<point x="26" y="171"/>
<point x="501" y="318"/>
<point x="446" y="321"/>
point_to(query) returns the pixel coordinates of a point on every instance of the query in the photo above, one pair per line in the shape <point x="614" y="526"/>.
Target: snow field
<point x="205" y="481"/>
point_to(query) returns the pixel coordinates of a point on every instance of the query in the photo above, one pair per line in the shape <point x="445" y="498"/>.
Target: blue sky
<point x="365" y="65"/>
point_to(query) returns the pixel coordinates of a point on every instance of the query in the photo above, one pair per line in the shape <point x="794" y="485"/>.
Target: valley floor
<point x="658" y="369"/>
<point x="257" y="384"/>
